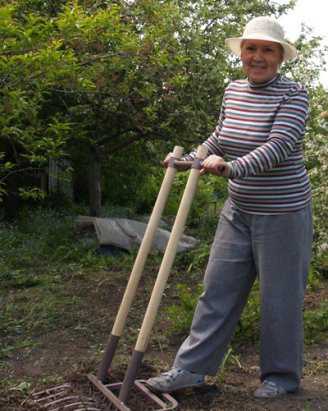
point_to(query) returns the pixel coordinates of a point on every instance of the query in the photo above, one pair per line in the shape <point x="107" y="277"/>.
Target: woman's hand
<point x="215" y="165"/>
<point x="167" y="160"/>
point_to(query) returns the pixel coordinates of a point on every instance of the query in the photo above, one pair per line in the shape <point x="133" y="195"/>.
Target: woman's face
<point x="261" y="59"/>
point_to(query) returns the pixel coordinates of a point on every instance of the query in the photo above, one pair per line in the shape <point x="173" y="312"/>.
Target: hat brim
<point x="234" y="43"/>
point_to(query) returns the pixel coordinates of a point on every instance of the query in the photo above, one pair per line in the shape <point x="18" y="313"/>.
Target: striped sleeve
<point x="287" y="132"/>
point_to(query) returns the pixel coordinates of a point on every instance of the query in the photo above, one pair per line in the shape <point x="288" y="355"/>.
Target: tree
<point x="86" y="80"/>
<point x="317" y="160"/>
<point x="307" y="70"/>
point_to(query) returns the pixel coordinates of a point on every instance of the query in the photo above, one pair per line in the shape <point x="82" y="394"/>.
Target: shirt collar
<point x="265" y="84"/>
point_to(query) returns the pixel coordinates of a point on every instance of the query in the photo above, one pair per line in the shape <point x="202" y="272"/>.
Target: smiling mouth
<point x="258" y="67"/>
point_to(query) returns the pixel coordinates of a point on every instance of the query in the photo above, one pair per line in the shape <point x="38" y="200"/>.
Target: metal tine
<point x="59" y="397"/>
<point x="73" y="404"/>
<point x="50" y="397"/>
<point x="69" y="397"/>
<point x="82" y="402"/>
<point x="49" y="390"/>
<point x="88" y="409"/>
<point x="76" y="409"/>
<point x="67" y="407"/>
<point x="44" y="401"/>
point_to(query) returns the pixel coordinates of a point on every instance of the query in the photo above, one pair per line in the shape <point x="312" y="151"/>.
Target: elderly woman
<point x="265" y="227"/>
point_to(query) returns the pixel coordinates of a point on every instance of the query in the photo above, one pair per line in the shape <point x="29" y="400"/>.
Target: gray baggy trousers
<point x="277" y="249"/>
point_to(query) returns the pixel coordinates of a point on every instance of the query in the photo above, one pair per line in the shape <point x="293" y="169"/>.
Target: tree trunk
<point x="95" y="185"/>
<point x="11" y="200"/>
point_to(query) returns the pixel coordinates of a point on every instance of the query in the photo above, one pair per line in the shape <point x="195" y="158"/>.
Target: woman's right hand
<point x="167" y="160"/>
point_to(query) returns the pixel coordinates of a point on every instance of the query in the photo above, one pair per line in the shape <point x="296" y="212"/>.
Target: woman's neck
<point x="264" y="83"/>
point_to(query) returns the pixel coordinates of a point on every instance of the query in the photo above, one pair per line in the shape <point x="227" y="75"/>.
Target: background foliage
<point x="86" y="80"/>
<point x="110" y="87"/>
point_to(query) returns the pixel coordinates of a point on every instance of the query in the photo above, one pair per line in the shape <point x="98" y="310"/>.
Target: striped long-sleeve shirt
<point x="260" y="133"/>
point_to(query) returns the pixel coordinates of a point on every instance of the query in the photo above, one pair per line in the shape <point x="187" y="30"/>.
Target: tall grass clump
<point x="40" y="243"/>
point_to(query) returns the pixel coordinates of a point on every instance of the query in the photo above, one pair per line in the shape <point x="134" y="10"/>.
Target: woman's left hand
<point x="215" y="165"/>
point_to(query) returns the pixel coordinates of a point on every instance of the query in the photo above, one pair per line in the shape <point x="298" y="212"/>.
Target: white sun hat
<point x="263" y="28"/>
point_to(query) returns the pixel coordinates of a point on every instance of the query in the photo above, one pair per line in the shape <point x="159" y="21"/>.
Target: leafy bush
<point x="317" y="158"/>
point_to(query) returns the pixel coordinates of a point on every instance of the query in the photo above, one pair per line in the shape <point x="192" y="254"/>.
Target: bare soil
<point x="69" y="352"/>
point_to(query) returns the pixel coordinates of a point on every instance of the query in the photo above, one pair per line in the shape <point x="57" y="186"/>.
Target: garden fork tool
<point x="63" y="396"/>
<point x="138" y="267"/>
<point x="165" y="401"/>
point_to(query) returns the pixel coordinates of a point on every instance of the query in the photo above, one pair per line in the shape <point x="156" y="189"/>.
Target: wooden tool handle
<point x="137" y="269"/>
<point x="145" y="246"/>
<point x="169" y="254"/>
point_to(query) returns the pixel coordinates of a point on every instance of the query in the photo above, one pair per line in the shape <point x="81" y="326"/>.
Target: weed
<point x="230" y="359"/>
<point x="313" y="281"/>
<point x="18" y="279"/>
<point x="181" y="314"/>
<point x="198" y="258"/>
<point x="248" y="326"/>
<point x="316" y="323"/>
<point x="307" y="407"/>
<point x="22" y="387"/>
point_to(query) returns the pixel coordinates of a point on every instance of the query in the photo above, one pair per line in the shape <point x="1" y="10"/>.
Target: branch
<point x="22" y="170"/>
<point x="155" y="135"/>
<point x="17" y="52"/>
<point x="126" y="143"/>
<point x="106" y="139"/>
<point x="107" y="55"/>
<point x="66" y="91"/>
